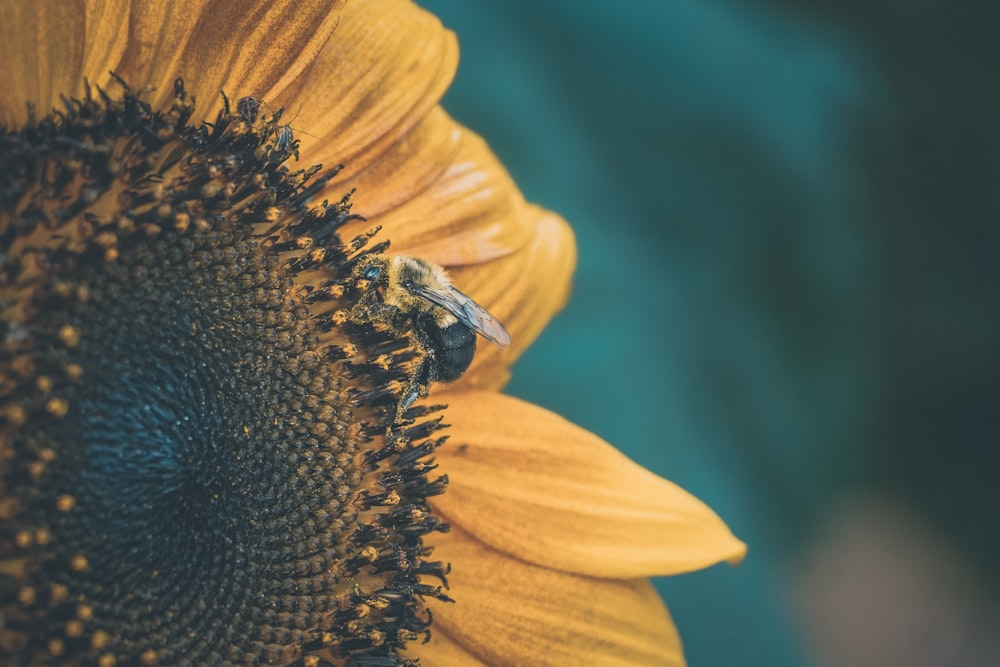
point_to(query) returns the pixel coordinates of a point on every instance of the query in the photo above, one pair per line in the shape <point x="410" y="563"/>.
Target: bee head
<point x="372" y="271"/>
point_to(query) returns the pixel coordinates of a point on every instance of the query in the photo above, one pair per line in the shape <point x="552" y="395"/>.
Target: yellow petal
<point x="157" y="35"/>
<point x="241" y="47"/>
<point x="508" y="612"/>
<point x="386" y="68"/>
<point x="107" y="29"/>
<point x="442" y="651"/>
<point x="527" y="482"/>
<point x="411" y="165"/>
<point x="469" y="211"/>
<point x="523" y="290"/>
<point x="40" y="55"/>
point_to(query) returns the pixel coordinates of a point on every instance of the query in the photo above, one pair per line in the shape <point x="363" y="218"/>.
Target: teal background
<point x="787" y="286"/>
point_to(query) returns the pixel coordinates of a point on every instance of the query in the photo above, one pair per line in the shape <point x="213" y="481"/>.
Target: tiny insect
<point x="248" y="107"/>
<point x="413" y="295"/>
<point x="285" y="137"/>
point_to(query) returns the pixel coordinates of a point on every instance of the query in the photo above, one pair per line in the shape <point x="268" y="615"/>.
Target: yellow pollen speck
<point x="58" y="593"/>
<point x="26" y="595"/>
<point x="69" y="335"/>
<point x="99" y="639"/>
<point x="311" y="661"/>
<point x="13" y="568"/>
<point x="182" y="221"/>
<point x="148" y="657"/>
<point x="43" y="383"/>
<point x="125" y="223"/>
<point x="36" y="469"/>
<point x="43" y="536"/>
<point x="106" y="239"/>
<point x="23" y="366"/>
<point x="74" y="628"/>
<point x="24" y="539"/>
<point x="111" y="254"/>
<point x="78" y="563"/>
<point x="163" y="211"/>
<point x="57" y="407"/>
<point x="84" y="612"/>
<point x="56" y="646"/>
<point x="65" y="503"/>
<point x="74" y="371"/>
<point x="15" y="414"/>
<point x="107" y="660"/>
<point x="47" y="454"/>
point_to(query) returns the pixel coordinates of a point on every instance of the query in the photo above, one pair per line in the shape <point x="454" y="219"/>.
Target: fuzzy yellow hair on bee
<point x="412" y="294"/>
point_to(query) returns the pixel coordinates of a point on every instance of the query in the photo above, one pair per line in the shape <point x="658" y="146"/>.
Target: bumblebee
<point x="415" y="297"/>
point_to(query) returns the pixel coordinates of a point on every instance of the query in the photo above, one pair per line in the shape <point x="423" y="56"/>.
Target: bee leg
<point x="408" y="399"/>
<point x="418" y="387"/>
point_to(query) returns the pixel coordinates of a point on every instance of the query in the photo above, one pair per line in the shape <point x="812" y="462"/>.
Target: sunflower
<point x="210" y="451"/>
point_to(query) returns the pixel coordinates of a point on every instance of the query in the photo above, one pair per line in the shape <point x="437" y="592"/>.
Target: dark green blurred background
<point x="788" y="280"/>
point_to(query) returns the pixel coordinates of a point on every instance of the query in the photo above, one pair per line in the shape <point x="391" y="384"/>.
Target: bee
<point x="409" y="294"/>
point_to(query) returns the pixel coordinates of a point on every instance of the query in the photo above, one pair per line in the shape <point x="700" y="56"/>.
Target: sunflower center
<point x="187" y="411"/>
<point x="203" y="461"/>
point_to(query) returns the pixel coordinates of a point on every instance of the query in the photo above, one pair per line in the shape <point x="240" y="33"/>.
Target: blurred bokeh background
<point x="787" y="295"/>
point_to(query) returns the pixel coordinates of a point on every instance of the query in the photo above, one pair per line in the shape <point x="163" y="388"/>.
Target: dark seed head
<point x="199" y="462"/>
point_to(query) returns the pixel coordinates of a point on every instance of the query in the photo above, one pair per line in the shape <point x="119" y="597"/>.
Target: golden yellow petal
<point x="386" y="68"/>
<point x="107" y="28"/>
<point x="527" y="482"/>
<point x="412" y="165"/>
<point x="471" y="212"/>
<point x="41" y="53"/>
<point x="508" y="612"/>
<point x="157" y="35"/>
<point x="523" y="290"/>
<point x="242" y="47"/>
<point x="442" y="651"/>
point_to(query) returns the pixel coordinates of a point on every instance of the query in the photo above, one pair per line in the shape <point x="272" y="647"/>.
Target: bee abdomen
<point x="454" y="347"/>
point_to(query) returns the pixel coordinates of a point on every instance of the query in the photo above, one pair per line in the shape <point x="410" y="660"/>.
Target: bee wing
<point x="468" y="312"/>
